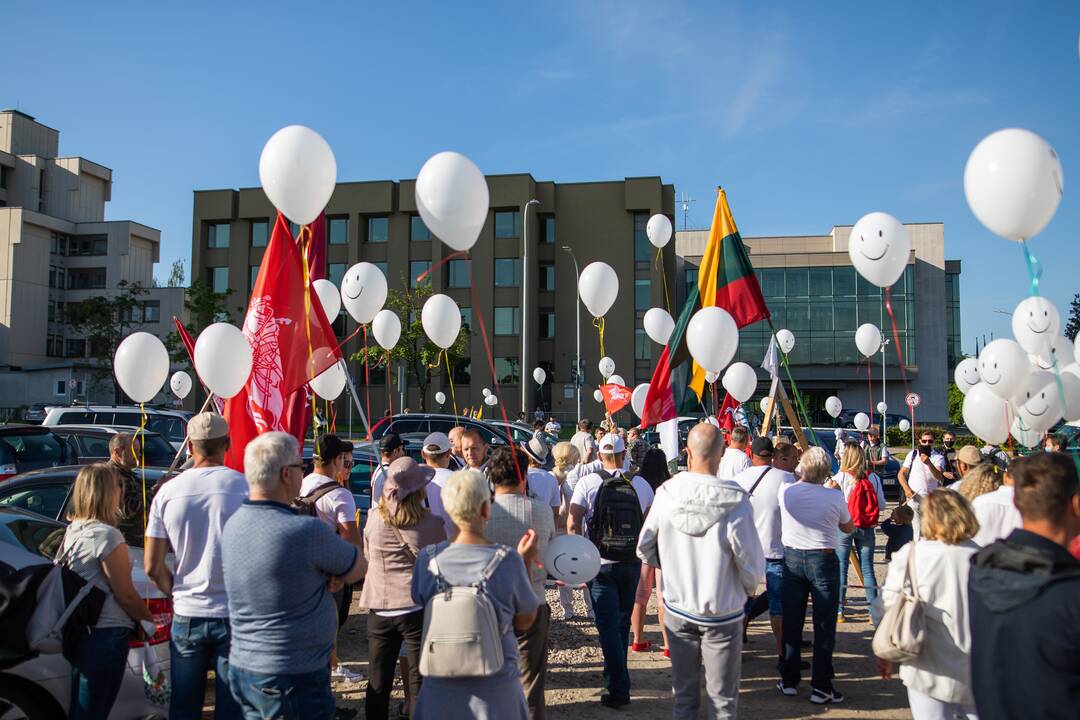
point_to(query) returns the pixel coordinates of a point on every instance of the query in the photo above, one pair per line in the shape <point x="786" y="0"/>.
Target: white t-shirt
<point x="553" y="428"/>
<point x="732" y="463"/>
<point x="335" y="507"/>
<point x="587" y="488"/>
<point x="846" y="481"/>
<point x="544" y="487"/>
<point x="378" y="477"/>
<point x="434" y="497"/>
<point x="919" y="479"/>
<point x="810" y="516"/>
<point x="997" y="515"/>
<point x="766" y="504"/>
<point x="190" y="512"/>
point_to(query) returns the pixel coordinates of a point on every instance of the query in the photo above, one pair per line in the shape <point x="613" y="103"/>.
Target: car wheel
<point x="20" y="700"/>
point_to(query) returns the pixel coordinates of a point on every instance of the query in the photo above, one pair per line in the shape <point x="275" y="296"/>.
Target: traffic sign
<point x="913" y="400"/>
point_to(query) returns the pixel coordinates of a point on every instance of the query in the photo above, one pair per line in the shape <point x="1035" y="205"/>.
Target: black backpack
<point x="305" y="504"/>
<point x="617" y="519"/>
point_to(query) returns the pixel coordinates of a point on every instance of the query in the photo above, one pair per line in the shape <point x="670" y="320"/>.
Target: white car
<point x="170" y="424"/>
<point x="40" y="688"/>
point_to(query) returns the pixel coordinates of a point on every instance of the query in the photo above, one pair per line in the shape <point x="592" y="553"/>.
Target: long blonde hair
<point x="566" y="457"/>
<point x="985" y="477"/>
<point x="96" y="495"/>
<point x="410" y="511"/>
<point x="853" y="460"/>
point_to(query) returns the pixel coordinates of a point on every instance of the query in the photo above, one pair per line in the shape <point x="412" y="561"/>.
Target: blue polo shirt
<point x="277" y="563"/>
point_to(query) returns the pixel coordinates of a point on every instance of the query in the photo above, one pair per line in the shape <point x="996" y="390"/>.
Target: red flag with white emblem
<point x="616" y="397"/>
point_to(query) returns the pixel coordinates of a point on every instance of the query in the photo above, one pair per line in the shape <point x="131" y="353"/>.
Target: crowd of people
<point x="260" y="565"/>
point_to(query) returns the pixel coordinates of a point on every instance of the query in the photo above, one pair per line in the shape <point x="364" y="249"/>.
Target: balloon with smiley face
<point x="1035" y="322"/>
<point x="1059" y="354"/>
<point x="985" y="414"/>
<point x="572" y="559"/>
<point x="363" y="291"/>
<point x="1003" y="366"/>
<point x="1023" y="434"/>
<point x="1038" y="403"/>
<point x="879" y="247"/>
<point x="966" y="374"/>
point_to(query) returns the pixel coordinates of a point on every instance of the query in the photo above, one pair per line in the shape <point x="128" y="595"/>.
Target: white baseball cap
<point x="436" y="444"/>
<point x="612" y="444"/>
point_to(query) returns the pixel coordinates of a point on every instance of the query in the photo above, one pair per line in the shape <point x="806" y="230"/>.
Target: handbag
<point x="900" y="634"/>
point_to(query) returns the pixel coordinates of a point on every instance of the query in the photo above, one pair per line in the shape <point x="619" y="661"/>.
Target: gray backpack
<point x="462" y="636"/>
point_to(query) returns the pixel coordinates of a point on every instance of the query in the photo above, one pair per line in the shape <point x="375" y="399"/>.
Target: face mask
<point x="948" y="443"/>
<point x="925" y="446"/>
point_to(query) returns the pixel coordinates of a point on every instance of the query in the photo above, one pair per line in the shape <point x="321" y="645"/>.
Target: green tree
<point x="414" y="351"/>
<point x="176" y="274"/>
<point x="105" y="321"/>
<point x="956" y="405"/>
<point x="204" y="307"/>
<point x="1072" y="326"/>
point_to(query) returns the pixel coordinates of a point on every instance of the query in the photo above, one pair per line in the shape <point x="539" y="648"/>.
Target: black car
<point x="425" y="423"/>
<point x="92" y="443"/>
<point x="48" y="492"/>
<point x="31" y="447"/>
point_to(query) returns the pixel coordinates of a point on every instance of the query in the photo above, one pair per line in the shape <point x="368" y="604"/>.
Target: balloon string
<point x="342" y="343"/>
<point x="869" y="388"/>
<point x="389" y="394"/>
<point x="598" y="323"/>
<point x="452" y="256"/>
<point x="367" y="377"/>
<point x="899" y="351"/>
<point x="660" y="267"/>
<point x="141" y="458"/>
<point x="450" y="380"/>
<point x="305" y="241"/>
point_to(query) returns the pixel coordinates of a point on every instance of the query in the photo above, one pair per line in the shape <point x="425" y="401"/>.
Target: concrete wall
<point x="20" y="134"/>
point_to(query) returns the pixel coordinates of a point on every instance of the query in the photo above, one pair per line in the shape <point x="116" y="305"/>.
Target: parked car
<point x="35" y="414"/>
<point x="520" y="432"/>
<point x="92" y="443"/>
<point x="170" y="424"/>
<point x="365" y="460"/>
<point x="826" y="438"/>
<point x="39" y="688"/>
<point x="425" y="423"/>
<point x="30" y="447"/>
<point x="47" y="492"/>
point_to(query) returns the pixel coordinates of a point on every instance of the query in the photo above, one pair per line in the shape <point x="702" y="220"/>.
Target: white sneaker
<point x="343" y="673"/>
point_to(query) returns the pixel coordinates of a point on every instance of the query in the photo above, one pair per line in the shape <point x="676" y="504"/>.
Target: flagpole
<point x="187" y="434"/>
<point x="356" y="399"/>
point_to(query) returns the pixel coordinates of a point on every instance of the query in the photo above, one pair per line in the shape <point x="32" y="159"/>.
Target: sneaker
<point x="840" y="617"/>
<point x="667" y="652"/>
<point x="820" y="697"/>
<point x="611" y="702"/>
<point x="789" y="691"/>
<point x="343" y="673"/>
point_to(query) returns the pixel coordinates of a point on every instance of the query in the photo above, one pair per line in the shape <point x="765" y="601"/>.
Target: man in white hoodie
<point x="701" y="532"/>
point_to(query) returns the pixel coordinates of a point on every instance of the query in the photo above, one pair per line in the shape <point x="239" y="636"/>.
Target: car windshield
<point x="42" y="537"/>
<point x="35" y="448"/>
<point x="155" y="447"/>
<point x="45" y="500"/>
<point x="168" y="427"/>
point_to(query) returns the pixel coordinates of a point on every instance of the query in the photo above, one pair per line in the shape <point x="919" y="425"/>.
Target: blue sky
<point x="810" y="114"/>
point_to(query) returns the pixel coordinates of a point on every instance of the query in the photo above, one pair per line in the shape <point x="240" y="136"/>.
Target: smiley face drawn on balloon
<point x="1038" y="404"/>
<point x="1035" y="321"/>
<point x="352" y="286"/>
<point x="572" y="559"/>
<point x="879" y="246"/>
<point x="1003" y="366"/>
<point x="363" y="291"/>
<point x="966" y="374"/>
<point x="1059" y="354"/>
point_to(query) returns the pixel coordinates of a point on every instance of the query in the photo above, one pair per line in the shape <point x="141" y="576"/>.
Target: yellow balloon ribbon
<point x="450" y="379"/>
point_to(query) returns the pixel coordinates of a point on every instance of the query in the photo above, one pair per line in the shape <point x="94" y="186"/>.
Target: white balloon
<point x="986" y="414"/>
<point x="363" y="290"/>
<point x="1058" y="354"/>
<point x="441" y="319"/>
<point x="882" y="408"/>
<point x="141" y="366"/>
<point x="740" y="380"/>
<point x="658" y="325"/>
<point x="1070" y="380"/>
<point x="658" y="230"/>
<point x="598" y="396"/>
<point x="1003" y="365"/>
<point x="440" y="397"/>
<point x="764" y="405"/>
<point x="637" y="398"/>
<point x="491" y="400"/>
<point x="223" y="359"/>
<point x="904" y="425"/>
<point x="386" y="327"/>
<point x="598" y="287"/>
<point x="329" y="383"/>
<point x="868" y="339"/>
<point x="572" y="559"/>
<point x="833" y="406"/>
<point x="298" y="172"/>
<point x="606" y="366"/>
<point x="485" y="392"/>
<point x="1035" y="323"/>
<point x="616" y="380"/>
<point x="329" y="297"/>
<point x="966" y="374"/>
<point x="1013" y="182"/>
<point x="712" y="338"/>
<point x="180" y="384"/>
<point x="1038" y="401"/>
<point x="452" y="198"/>
<point x="785" y="339"/>
<point x="879" y="248"/>
<point x="539" y="375"/>
<point x="711" y="377"/>
<point x="1025" y="435"/>
<point x="862" y="421"/>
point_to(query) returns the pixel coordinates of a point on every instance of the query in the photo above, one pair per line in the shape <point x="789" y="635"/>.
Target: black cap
<point x="390" y="442"/>
<point x="762" y="447"/>
<point x="330" y="446"/>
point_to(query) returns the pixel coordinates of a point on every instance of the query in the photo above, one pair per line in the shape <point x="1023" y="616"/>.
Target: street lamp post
<point x="525" y="301"/>
<point x="577" y="306"/>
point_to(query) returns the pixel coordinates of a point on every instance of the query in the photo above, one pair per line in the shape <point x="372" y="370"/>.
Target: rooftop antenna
<point x="685" y="201"/>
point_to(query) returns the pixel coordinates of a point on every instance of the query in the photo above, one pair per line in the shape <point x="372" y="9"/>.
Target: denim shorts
<point x="774" y="576"/>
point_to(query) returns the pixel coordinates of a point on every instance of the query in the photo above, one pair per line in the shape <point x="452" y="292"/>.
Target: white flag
<point x="771" y="363"/>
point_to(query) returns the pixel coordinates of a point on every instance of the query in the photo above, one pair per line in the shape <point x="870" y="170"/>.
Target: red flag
<point x="291" y="342"/>
<point x="726" y="415"/>
<point x="185" y="337"/>
<point x="616" y="397"/>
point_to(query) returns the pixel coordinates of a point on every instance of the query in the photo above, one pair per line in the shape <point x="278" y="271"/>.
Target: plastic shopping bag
<point x="156" y="685"/>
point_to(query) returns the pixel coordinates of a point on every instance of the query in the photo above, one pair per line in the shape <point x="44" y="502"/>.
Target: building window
<point x="547" y="276"/>
<point x="547" y="324"/>
<point x="466" y="319"/>
<point x="507" y="224"/>
<point x="642" y="245"/>
<point x="642" y="294"/>
<point x="88" y="245"/>
<point x="337" y="228"/>
<point x="335" y="273"/>
<point x="457" y="273"/>
<point x="507" y="321"/>
<point x="86" y="278"/>
<point x="253" y="275"/>
<point x="294" y="230"/>
<point x="547" y="229"/>
<point x="417" y="229"/>
<point x="75" y="348"/>
<point x="378" y="229"/>
<point x="150" y="311"/>
<point x="217" y="235"/>
<point x="508" y="370"/>
<point x="51" y="313"/>
<point x="54" y="345"/>
<point x="507" y="272"/>
<point x="4" y="170"/>
<point x="219" y="279"/>
<point x="642" y="345"/>
<point x="260" y="233"/>
<point x="416" y="269"/>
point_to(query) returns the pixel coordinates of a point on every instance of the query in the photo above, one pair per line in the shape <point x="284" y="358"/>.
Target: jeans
<point x="612" y="592"/>
<point x="533" y="661"/>
<point x="863" y="539"/>
<point x="305" y="696"/>
<point x="387" y="636"/>
<point x="199" y="645"/>
<point x="813" y="573"/>
<point x="719" y="651"/>
<point x="97" y="671"/>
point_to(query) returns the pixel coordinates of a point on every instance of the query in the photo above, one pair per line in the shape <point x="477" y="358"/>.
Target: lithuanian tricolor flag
<point x="725" y="279"/>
